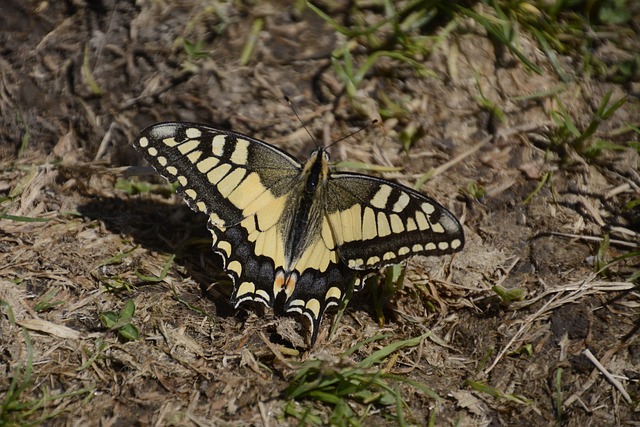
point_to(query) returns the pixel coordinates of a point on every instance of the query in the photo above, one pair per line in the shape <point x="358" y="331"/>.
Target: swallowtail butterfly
<point x="292" y="228"/>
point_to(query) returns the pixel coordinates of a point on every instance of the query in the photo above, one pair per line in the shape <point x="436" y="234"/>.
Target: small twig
<point x="622" y="188"/>
<point x="443" y="167"/>
<point x="264" y="414"/>
<point x="595" y="215"/>
<point x="528" y="322"/>
<point x="105" y="141"/>
<point x="607" y="375"/>
<point x="276" y="351"/>
<point x="593" y="239"/>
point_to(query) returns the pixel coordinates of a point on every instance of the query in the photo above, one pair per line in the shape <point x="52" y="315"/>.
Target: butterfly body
<point x="298" y="229"/>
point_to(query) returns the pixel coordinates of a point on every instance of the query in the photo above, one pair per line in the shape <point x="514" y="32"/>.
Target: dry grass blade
<point x="608" y="376"/>
<point x="559" y="297"/>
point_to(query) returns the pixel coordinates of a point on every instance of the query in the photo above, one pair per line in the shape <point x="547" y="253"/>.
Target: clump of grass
<point x="367" y="384"/>
<point x="558" y="399"/>
<point x="408" y="32"/>
<point x="497" y="393"/>
<point x="113" y="284"/>
<point x="507" y="296"/>
<point x="45" y="303"/>
<point x="15" y="409"/>
<point x="396" y="36"/>
<point x="384" y="288"/>
<point x="567" y="139"/>
<point x="133" y="187"/>
<point x="568" y="136"/>
<point x="475" y="191"/>
<point x="121" y="321"/>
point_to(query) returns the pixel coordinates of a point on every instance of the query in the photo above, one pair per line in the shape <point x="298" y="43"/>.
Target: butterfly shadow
<point x="169" y="229"/>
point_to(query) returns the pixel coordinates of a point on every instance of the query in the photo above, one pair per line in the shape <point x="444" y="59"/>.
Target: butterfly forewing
<point x="219" y="172"/>
<point x="377" y="222"/>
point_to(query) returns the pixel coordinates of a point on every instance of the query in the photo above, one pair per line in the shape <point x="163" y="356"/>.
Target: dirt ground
<point x="79" y="81"/>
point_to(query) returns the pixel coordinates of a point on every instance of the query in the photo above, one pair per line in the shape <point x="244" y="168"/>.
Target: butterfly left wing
<point x="366" y="223"/>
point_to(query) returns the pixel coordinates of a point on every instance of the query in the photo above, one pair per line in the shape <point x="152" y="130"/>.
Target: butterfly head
<point x="316" y="169"/>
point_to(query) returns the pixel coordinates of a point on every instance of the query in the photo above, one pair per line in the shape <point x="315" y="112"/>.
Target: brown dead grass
<point x="200" y="362"/>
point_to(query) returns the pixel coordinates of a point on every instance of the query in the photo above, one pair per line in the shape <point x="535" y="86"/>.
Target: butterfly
<point x="292" y="230"/>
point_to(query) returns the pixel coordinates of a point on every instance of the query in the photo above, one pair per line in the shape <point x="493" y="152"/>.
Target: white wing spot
<point x="217" y="146"/>
<point x="368" y="224"/>
<point x="422" y="221"/>
<point x="437" y="227"/>
<point x="373" y="260"/>
<point x="313" y="305"/>
<point x="152" y="151"/>
<point x="195" y="156"/>
<point x="216" y="220"/>
<point x="143" y="142"/>
<point x="333" y="292"/>
<point x="193" y="133"/>
<point x="170" y="142"/>
<point x="188" y="146"/>
<point x="225" y="247"/>
<point x="236" y="267"/>
<point x="162" y="161"/>
<point x="172" y="170"/>
<point x="443" y="245"/>
<point x="205" y="165"/>
<point x="215" y="175"/>
<point x="383" y="225"/>
<point x="428" y="208"/>
<point x="396" y="223"/>
<point x="389" y="255"/>
<point x="356" y="264"/>
<point x="245" y="288"/>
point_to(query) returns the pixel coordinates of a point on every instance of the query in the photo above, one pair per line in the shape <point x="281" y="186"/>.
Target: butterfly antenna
<point x="286" y="98"/>
<point x="353" y="133"/>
